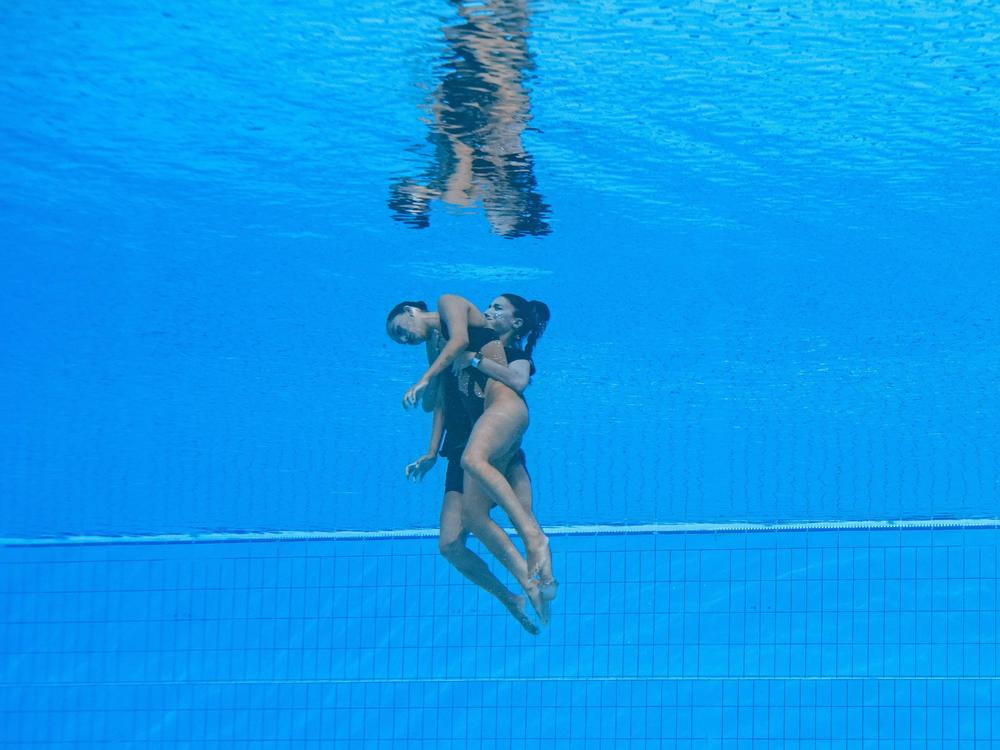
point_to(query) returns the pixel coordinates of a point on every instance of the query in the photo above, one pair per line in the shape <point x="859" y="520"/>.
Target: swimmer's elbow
<point x="458" y="341"/>
<point x="519" y="385"/>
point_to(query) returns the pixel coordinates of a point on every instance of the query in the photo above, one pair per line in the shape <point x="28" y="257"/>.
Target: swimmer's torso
<point x="479" y="391"/>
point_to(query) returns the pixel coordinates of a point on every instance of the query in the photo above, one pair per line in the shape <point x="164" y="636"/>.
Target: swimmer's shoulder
<point x="451" y="300"/>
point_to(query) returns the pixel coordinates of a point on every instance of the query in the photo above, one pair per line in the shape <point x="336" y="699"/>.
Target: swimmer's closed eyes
<point x="402" y="336"/>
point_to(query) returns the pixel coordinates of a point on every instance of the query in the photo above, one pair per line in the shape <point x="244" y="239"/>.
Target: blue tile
<point x="760" y="625"/>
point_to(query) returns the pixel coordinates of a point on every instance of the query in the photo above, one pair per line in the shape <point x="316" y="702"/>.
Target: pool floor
<point x="725" y="639"/>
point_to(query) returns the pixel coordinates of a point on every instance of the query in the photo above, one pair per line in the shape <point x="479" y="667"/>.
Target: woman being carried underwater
<point x="494" y="441"/>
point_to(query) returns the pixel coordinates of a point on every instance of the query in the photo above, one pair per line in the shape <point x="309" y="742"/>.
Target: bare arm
<point x="429" y="399"/>
<point x="454" y="312"/>
<point x="515" y="376"/>
<point x="416" y="469"/>
<point x="457" y="312"/>
<point x="437" y="426"/>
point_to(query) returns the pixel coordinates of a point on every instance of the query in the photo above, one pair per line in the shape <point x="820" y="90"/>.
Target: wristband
<point x="476" y="359"/>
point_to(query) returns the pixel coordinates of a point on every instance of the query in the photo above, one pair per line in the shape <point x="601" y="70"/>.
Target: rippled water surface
<point x="767" y="234"/>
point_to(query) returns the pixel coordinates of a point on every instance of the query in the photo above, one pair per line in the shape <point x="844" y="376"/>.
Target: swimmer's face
<point x="406" y="329"/>
<point x="500" y="316"/>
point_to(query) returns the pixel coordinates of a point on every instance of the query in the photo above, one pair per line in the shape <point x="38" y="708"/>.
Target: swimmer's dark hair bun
<point x="535" y="315"/>
<point x="542" y="314"/>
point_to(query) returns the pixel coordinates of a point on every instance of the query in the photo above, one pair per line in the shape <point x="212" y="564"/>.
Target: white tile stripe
<point x="549" y="678"/>
<point x="586" y="530"/>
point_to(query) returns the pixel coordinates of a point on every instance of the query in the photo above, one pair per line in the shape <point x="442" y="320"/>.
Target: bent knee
<point x="474" y="519"/>
<point x="474" y="463"/>
<point x="451" y="546"/>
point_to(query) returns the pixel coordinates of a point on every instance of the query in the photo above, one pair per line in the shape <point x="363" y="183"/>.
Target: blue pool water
<point x="767" y="236"/>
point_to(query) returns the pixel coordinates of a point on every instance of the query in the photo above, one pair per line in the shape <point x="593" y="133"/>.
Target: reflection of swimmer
<point x="494" y="441"/>
<point x="480" y="110"/>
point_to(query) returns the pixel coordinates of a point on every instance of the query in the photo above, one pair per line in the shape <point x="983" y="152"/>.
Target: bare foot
<point x="538" y="601"/>
<point x="516" y="607"/>
<point x="539" y="558"/>
<point x="548" y="588"/>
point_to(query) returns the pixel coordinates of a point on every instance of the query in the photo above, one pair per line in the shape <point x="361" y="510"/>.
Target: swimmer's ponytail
<point x="401" y="307"/>
<point x="535" y="315"/>
<point x="541" y="316"/>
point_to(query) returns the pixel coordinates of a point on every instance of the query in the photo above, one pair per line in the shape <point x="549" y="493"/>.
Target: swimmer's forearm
<point x="432" y="347"/>
<point x="455" y="346"/>
<point x="514" y="378"/>
<point x="437" y="429"/>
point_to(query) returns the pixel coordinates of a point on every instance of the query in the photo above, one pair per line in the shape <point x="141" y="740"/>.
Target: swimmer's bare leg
<point x="477" y="519"/>
<point x="451" y="543"/>
<point x="520" y="482"/>
<point x="494" y="440"/>
<point x="542" y="588"/>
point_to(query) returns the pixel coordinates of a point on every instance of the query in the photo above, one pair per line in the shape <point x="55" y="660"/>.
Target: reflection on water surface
<point x="479" y="112"/>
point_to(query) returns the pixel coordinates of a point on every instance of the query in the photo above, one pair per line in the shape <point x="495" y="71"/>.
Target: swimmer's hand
<point x="416" y="470"/>
<point x="412" y="396"/>
<point x="461" y="362"/>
